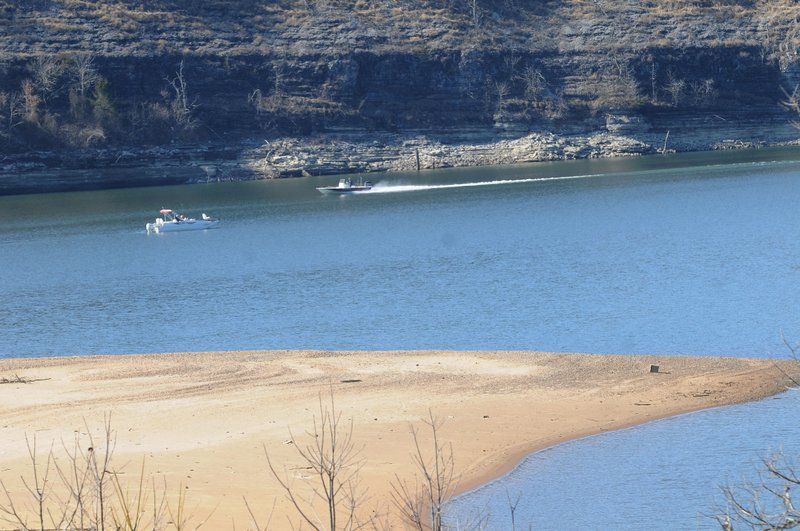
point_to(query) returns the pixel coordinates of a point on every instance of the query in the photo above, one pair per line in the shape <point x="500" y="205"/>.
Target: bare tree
<point x="501" y="90"/>
<point x="676" y="88"/>
<point x="333" y="459"/>
<point x="88" y="494"/>
<point x="76" y="507"/>
<point x="75" y="478"/>
<point x="182" y="108"/>
<point x="772" y="502"/>
<point x="84" y="72"/>
<point x="475" y="11"/>
<point x="421" y="505"/>
<point x="98" y="463"/>
<point x="792" y="103"/>
<point x="11" y="110"/>
<point x="84" y="76"/>
<point x="39" y="488"/>
<point x="794" y="353"/>
<point x="535" y="84"/>
<point x="30" y="102"/>
<point x="768" y="504"/>
<point x="46" y="71"/>
<point x="703" y="92"/>
<point x="511" y="62"/>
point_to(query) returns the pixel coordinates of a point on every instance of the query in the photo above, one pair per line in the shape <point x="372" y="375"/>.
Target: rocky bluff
<point x="82" y="83"/>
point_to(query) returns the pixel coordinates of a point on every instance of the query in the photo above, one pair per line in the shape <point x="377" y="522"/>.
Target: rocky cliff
<point x="81" y="77"/>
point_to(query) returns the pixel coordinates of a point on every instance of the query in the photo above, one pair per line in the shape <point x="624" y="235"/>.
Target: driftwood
<point x="16" y="379"/>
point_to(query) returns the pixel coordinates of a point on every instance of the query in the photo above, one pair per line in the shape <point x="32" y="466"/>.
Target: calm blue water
<point x="663" y="475"/>
<point x="692" y="254"/>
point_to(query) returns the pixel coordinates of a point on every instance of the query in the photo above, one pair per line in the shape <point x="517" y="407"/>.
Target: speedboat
<point x="171" y="221"/>
<point x="346" y="186"/>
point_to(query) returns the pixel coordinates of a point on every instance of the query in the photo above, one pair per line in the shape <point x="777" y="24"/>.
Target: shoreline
<point x="362" y="152"/>
<point x="201" y="418"/>
<point x="516" y="456"/>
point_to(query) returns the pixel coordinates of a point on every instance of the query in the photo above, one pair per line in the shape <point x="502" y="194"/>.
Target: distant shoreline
<point x="345" y="152"/>
<point x="201" y="418"/>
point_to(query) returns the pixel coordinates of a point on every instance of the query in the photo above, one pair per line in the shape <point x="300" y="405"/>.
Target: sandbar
<point x="203" y="421"/>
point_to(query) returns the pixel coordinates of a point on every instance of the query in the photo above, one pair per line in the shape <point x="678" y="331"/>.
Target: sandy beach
<point x="201" y="421"/>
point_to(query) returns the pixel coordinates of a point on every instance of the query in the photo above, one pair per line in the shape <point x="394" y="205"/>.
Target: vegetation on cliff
<point x="91" y="74"/>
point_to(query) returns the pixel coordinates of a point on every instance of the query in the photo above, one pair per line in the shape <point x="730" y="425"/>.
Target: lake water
<point x="693" y="254"/>
<point x="666" y="475"/>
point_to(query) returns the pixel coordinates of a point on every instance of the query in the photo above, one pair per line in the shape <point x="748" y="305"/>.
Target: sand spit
<point x="203" y="420"/>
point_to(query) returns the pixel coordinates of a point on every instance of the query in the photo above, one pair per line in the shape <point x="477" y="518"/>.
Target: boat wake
<point x="397" y="187"/>
<point x="389" y="188"/>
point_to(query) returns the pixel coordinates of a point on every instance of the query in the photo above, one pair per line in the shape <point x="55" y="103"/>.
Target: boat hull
<point x="329" y="190"/>
<point x="179" y="226"/>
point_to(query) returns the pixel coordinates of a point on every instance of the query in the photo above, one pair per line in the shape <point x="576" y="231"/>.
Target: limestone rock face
<point x="304" y="66"/>
<point x="83" y="77"/>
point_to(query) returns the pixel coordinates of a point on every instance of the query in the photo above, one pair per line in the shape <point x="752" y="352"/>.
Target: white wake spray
<point x="388" y="188"/>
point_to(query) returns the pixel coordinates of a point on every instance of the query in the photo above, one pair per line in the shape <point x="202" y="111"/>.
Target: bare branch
<point x="182" y="108"/>
<point x="332" y="457"/>
<point x="437" y="485"/>
<point x="766" y="505"/>
<point x="84" y="72"/>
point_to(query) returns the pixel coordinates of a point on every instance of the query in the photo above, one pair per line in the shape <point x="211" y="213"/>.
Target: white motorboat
<point x="171" y="221"/>
<point x="346" y="186"/>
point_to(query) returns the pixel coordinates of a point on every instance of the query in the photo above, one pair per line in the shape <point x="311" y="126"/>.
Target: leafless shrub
<point x="78" y="499"/>
<point x="676" y="88"/>
<point x="475" y="12"/>
<point x="11" y="111"/>
<point x="130" y="513"/>
<point x="511" y="63"/>
<point x="780" y="33"/>
<point x="83" y="72"/>
<point x="30" y="102"/>
<point x="512" y="509"/>
<point x="182" y="108"/>
<point x="84" y="76"/>
<point x="75" y="477"/>
<point x="771" y="503"/>
<point x="768" y="504"/>
<point x="421" y="505"/>
<point x="334" y="463"/>
<point x="535" y="84"/>
<point x="501" y="91"/>
<point x="794" y="350"/>
<point x="39" y="488"/>
<point x="254" y="519"/>
<point x="792" y="103"/>
<point x="45" y="72"/>
<point x="616" y="87"/>
<point x="704" y="92"/>
<point x="87" y="494"/>
<point x="102" y="106"/>
<point x="98" y="463"/>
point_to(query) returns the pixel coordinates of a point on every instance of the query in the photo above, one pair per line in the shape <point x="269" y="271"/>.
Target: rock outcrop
<point x="88" y="82"/>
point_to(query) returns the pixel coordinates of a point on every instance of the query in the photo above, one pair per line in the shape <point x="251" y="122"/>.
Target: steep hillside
<point x="89" y="74"/>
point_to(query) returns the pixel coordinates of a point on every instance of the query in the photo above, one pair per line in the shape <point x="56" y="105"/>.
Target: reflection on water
<point x="662" y="475"/>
